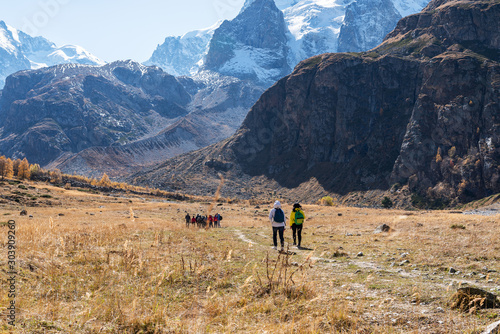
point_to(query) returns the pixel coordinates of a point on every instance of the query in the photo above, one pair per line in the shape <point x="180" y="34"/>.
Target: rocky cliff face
<point x="451" y="147"/>
<point x="421" y="110"/>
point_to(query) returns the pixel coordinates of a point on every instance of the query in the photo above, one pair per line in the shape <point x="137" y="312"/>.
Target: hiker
<point x="278" y="221"/>
<point x="210" y="221"/>
<point x="219" y="218"/>
<point x="296" y="222"/>
<point x="188" y="219"/>
<point x="216" y="220"/>
<point x="193" y="221"/>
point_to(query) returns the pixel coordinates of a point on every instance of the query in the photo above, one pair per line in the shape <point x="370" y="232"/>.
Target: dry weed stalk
<point x="216" y="196"/>
<point x="132" y="215"/>
<point x="279" y="278"/>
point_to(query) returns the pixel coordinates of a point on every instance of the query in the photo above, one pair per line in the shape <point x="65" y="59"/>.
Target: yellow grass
<point x="92" y="263"/>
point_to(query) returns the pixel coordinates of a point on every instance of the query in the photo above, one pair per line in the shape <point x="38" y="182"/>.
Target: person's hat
<point x="296" y="206"/>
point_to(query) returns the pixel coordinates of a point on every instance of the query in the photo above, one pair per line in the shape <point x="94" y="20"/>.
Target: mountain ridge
<point x="418" y="115"/>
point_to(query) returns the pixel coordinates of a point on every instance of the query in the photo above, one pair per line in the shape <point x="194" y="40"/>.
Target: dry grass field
<point x="100" y="263"/>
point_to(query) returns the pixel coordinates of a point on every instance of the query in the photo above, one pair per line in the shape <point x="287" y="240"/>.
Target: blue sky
<point x="120" y="29"/>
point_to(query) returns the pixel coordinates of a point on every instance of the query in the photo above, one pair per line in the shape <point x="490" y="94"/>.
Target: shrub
<point x="387" y="203"/>
<point x="326" y="201"/>
<point x="458" y="226"/>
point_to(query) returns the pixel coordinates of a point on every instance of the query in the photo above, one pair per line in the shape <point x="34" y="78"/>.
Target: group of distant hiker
<point x="276" y="216"/>
<point x="202" y="221"/>
<point x="278" y="221"/>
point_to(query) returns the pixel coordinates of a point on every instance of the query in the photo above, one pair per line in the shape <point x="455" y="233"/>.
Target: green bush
<point x="458" y="226"/>
<point x="387" y="203"/>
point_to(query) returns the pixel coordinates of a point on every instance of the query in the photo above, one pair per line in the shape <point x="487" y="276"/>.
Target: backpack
<point x="299" y="217"/>
<point x="279" y="216"/>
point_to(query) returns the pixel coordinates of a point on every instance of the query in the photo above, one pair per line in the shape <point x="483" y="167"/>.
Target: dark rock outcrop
<point x="422" y="109"/>
<point x="68" y="108"/>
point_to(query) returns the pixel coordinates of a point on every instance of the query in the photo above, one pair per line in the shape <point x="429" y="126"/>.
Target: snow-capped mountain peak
<point x="253" y="46"/>
<point x="311" y="27"/>
<point x="9" y="38"/>
<point x="20" y="51"/>
<point x="183" y="55"/>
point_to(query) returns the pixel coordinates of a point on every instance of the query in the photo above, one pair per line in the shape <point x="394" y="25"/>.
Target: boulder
<point x="382" y="228"/>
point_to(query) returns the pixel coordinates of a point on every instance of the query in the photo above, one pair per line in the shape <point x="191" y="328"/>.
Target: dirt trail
<point x="243" y="237"/>
<point x="406" y="272"/>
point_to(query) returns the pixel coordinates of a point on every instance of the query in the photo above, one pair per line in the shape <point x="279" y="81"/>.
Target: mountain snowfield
<point x="313" y="27"/>
<point x="20" y="51"/>
<point x="183" y="55"/>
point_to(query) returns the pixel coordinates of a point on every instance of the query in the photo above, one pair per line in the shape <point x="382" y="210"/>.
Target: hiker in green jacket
<point x="296" y="222"/>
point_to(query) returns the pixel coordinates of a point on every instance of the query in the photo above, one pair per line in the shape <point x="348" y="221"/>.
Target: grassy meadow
<point x="118" y="263"/>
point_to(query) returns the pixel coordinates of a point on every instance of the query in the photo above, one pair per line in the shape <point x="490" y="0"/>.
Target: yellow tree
<point x="55" y="176"/>
<point x="105" y="181"/>
<point x="23" y="171"/>
<point x="9" y="169"/>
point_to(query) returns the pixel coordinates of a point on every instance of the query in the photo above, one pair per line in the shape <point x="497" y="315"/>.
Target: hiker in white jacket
<point x="278" y="221"/>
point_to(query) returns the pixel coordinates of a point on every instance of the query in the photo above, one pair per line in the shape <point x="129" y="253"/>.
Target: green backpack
<point x="299" y="217"/>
